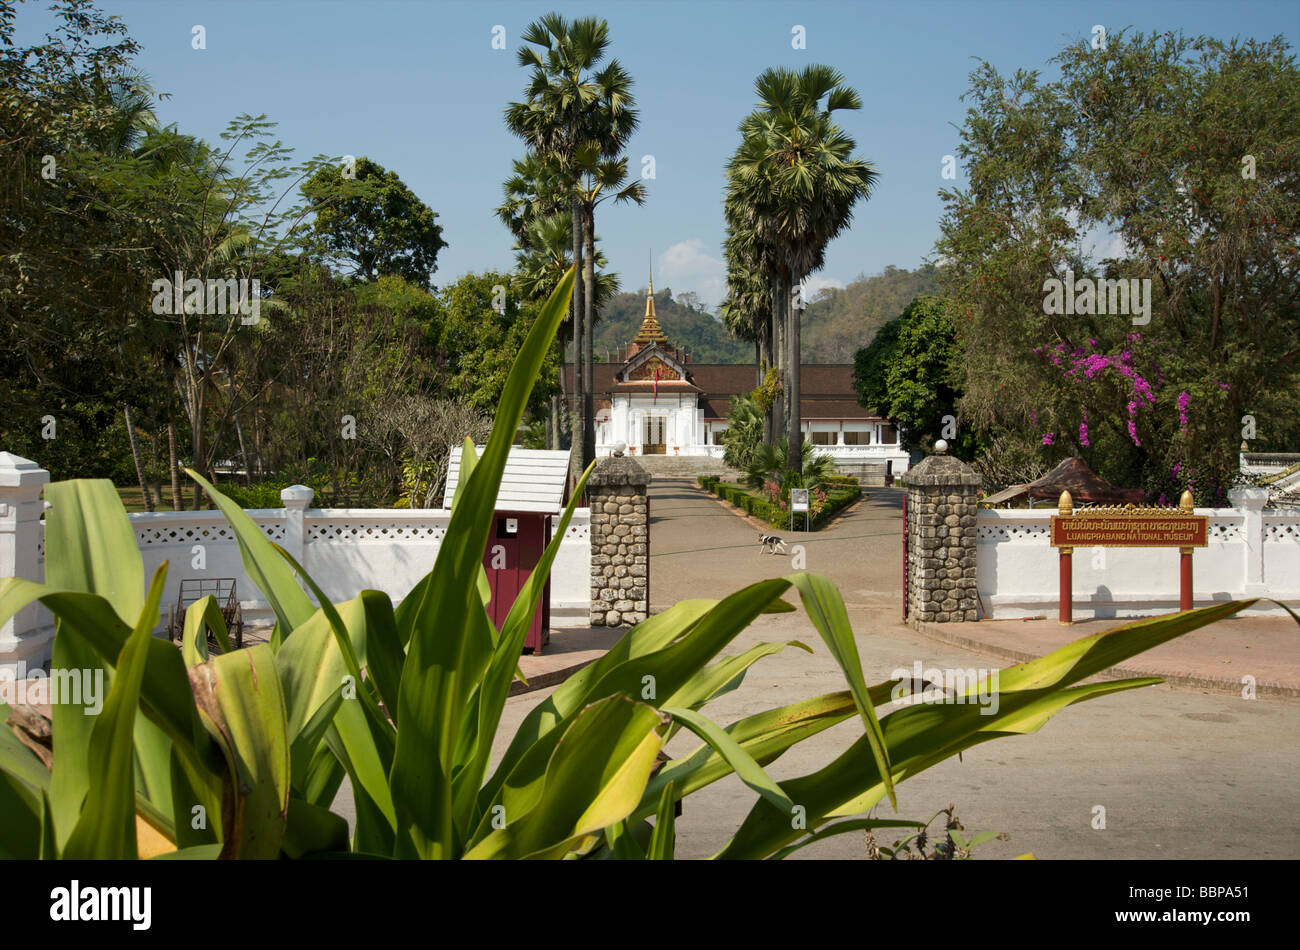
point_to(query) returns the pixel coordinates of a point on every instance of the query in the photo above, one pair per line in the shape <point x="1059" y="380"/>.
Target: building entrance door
<point x="653" y="442"/>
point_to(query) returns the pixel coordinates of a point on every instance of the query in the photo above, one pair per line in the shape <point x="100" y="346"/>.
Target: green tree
<point x="480" y="343"/>
<point x="795" y="170"/>
<point x="571" y="106"/>
<point x="908" y="374"/>
<point x="1177" y="157"/>
<point x="369" y="218"/>
<point x="63" y="263"/>
<point x="744" y="432"/>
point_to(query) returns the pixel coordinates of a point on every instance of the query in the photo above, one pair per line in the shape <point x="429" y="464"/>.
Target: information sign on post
<point x="798" y="503"/>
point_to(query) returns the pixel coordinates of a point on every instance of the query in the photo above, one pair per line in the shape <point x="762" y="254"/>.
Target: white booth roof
<point x="533" y="480"/>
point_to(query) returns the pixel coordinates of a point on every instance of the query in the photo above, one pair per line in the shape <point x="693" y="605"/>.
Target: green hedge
<point x="844" y="481"/>
<point x="841" y="494"/>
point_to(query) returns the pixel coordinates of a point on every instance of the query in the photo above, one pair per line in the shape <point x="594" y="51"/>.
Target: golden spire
<point x="650" y="331"/>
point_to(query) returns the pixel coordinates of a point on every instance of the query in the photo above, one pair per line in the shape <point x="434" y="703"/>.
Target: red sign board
<point x="1138" y="529"/>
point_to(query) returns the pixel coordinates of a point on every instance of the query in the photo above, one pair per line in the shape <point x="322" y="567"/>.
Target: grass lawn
<point x="134" y="500"/>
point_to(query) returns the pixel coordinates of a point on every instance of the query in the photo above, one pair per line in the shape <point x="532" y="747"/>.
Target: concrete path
<point x="1179" y="772"/>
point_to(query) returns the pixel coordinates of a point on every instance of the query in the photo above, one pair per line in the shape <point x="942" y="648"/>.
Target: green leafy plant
<point x="240" y="754"/>
<point x="769" y="463"/>
<point x="952" y="846"/>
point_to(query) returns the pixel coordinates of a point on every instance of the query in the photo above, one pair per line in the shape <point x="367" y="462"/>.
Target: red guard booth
<point x="532" y="491"/>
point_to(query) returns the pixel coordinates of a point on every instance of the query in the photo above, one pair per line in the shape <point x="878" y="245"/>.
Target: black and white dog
<point x="770" y="543"/>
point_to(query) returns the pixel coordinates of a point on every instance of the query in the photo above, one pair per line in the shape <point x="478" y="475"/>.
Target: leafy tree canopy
<point x="908" y="375"/>
<point x="1162" y="159"/>
<point x="374" y="221"/>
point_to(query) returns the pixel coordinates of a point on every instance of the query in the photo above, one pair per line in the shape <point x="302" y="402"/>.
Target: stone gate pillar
<point x="942" y="494"/>
<point x="620" y="542"/>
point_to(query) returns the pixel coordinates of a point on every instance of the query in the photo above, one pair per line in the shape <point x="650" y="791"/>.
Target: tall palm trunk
<point x="154" y="468"/>
<point x="794" y="457"/>
<point x="575" y="418"/>
<point x="588" y="320"/>
<point x="243" y="453"/>
<point x="135" y="457"/>
<point x="781" y="407"/>
<point x="173" y="465"/>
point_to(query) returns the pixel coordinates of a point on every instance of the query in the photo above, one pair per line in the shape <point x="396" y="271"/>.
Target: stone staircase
<point x="868" y="474"/>
<point x="683" y="466"/>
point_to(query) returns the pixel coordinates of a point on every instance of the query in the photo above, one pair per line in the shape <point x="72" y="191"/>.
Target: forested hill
<point x="686" y="322"/>
<point x="835" y="326"/>
<point x="840" y="322"/>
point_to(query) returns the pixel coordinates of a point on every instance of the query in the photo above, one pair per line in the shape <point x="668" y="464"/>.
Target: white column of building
<point x="1251" y="501"/>
<point x="29" y="634"/>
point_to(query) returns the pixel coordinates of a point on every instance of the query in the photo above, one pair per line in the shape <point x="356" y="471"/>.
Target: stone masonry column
<point x="942" y="494"/>
<point x="620" y="542"/>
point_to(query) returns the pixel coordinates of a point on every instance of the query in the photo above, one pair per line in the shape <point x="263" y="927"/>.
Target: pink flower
<point x="1047" y="439"/>
<point x="1083" y="434"/>
<point x="1132" y="431"/>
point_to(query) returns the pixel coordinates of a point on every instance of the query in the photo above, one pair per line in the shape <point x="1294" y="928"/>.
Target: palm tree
<point x="568" y="106"/>
<point x="796" y="178"/>
<point x="804" y="470"/>
<point x="747" y="310"/>
<point x="602" y="180"/>
<point x="541" y="259"/>
<point x="744" y="433"/>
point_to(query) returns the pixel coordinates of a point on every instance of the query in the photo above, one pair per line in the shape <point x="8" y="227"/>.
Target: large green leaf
<point x="20" y="831"/>
<point x="20" y="763"/>
<point x="663" y="842"/>
<point x="918" y="737"/>
<point x="265" y="567"/>
<point x="718" y="679"/>
<point x="826" y="610"/>
<point x="238" y="695"/>
<point x="650" y="635"/>
<point x="106" y="825"/>
<point x="90" y="548"/>
<point x="91" y="633"/>
<point x="652" y="677"/>
<point x="385" y="654"/>
<point x="595" y="778"/>
<point x="844" y="827"/>
<point x="765" y="736"/>
<point x="746" y="769"/>
<point x="200" y="617"/>
<point x="490" y="697"/>
<point x="89" y="545"/>
<point x="450" y="646"/>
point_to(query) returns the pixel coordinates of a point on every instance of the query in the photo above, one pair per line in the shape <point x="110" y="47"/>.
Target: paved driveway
<point x="1180" y="773"/>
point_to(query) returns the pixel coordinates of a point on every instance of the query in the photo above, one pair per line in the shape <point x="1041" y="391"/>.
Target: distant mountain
<point x="840" y="322"/>
<point x="835" y="326"/>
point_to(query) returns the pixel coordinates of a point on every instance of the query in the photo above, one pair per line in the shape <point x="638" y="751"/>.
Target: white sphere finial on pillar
<point x="941" y="446"/>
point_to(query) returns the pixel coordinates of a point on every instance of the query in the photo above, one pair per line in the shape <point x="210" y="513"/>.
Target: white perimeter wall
<point x="1251" y="553"/>
<point x="345" y="550"/>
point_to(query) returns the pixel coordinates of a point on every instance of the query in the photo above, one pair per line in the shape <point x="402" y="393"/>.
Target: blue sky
<point x="417" y="87"/>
